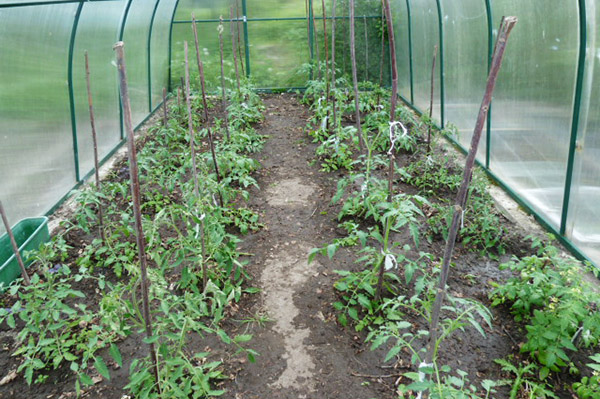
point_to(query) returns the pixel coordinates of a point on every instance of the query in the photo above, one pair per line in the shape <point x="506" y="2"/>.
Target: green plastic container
<point x="29" y="234"/>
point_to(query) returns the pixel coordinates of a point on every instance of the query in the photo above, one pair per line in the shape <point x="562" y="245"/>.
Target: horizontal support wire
<point x="274" y="19"/>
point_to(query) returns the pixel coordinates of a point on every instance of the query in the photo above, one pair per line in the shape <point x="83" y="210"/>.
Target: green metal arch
<point x="576" y="114"/>
<point x="149" y="55"/>
<point x="410" y="52"/>
<point x="71" y="90"/>
<point x="170" y="84"/>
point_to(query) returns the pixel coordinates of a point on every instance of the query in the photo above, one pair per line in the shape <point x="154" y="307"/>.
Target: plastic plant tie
<point x="394" y="136"/>
<point x="422" y="375"/>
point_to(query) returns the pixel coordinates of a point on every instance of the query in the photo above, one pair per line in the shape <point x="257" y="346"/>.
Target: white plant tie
<point x="422" y="376"/>
<point x="197" y="227"/>
<point x="220" y="28"/>
<point x="394" y="134"/>
<point x="390" y="262"/>
<point x="462" y="219"/>
<point x="324" y="123"/>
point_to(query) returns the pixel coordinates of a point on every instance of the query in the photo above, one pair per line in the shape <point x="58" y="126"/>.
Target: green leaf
<point x="116" y="354"/>
<point x="151" y="340"/>
<point x="331" y="249"/>
<point x="223" y="335"/>
<point x="101" y="368"/>
<point x="353" y="313"/>
<point x="242" y="338"/>
<point x="86" y="379"/>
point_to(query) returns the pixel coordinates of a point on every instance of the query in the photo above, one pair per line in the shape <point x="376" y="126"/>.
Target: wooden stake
<point x="435" y="50"/>
<point x="382" y="60"/>
<point x="392" y="43"/>
<point x="355" y="77"/>
<point x="233" y="48"/>
<point x="193" y="152"/>
<point x="460" y="202"/>
<point x="223" y="95"/>
<point x="14" y="245"/>
<point x="95" y="145"/>
<point x="200" y="68"/>
<point x="165" y="110"/>
<point x="135" y="192"/>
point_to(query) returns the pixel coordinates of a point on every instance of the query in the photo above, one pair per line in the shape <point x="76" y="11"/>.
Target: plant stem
<point x="14" y="245"/>
<point x="95" y="145"/>
<point x="392" y="43"/>
<point x="233" y="48"/>
<point x="435" y="50"/>
<point x="355" y="77"/>
<point x="504" y="32"/>
<point x="135" y="193"/>
<point x="223" y="95"/>
<point x="188" y="103"/>
<point x="200" y="68"/>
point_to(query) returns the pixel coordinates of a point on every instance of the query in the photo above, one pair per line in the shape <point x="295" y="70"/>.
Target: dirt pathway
<point x="304" y="352"/>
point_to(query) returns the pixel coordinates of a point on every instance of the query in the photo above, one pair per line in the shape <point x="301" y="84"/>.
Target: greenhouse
<point x="299" y="199"/>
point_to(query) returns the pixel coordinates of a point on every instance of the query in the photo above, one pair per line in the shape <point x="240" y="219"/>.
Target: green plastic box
<point x="29" y="234"/>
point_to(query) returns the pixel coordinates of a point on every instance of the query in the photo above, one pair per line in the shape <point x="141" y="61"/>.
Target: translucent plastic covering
<point x="45" y="134"/>
<point x="584" y="212"/>
<point x="401" y="29"/>
<point x="98" y="30"/>
<point x="424" y="16"/>
<point x="466" y="65"/>
<point x="36" y="161"/>
<point x="159" y="47"/>
<point x="533" y="102"/>
<point x="136" y="39"/>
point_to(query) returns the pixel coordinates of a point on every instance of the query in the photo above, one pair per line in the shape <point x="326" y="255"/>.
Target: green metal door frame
<point x="149" y="55"/>
<point x="246" y="39"/>
<point x="71" y="90"/>
<point x="576" y="115"/>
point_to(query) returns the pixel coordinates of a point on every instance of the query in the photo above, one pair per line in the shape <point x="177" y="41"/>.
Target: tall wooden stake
<point x="355" y="78"/>
<point x="223" y="95"/>
<point x="233" y="48"/>
<point x="165" y="110"/>
<point x="95" y="144"/>
<point x="14" y="245"/>
<point x="390" y="28"/>
<point x="435" y="50"/>
<point x="200" y="68"/>
<point x="382" y="60"/>
<point x="460" y="202"/>
<point x="135" y="193"/>
<point x="193" y="153"/>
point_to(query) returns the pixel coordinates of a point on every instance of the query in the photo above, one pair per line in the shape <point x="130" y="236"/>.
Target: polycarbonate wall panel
<point x="533" y="101"/>
<point x="583" y="225"/>
<point x="208" y="37"/>
<point x="136" y="56"/>
<point x="36" y="147"/>
<point x="466" y="66"/>
<point x="425" y="33"/>
<point x="276" y="58"/>
<point x="401" y="30"/>
<point x="280" y="8"/>
<point x="159" y="49"/>
<point x="204" y="9"/>
<point x="98" y="31"/>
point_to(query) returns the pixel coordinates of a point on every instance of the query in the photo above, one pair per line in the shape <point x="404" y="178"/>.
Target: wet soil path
<point x="304" y="353"/>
